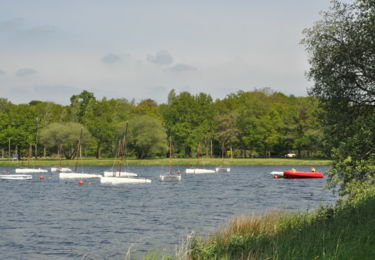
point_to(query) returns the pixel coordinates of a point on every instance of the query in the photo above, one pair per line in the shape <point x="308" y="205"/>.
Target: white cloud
<point x="161" y="57"/>
<point x="25" y="72"/>
<point x="111" y="58"/>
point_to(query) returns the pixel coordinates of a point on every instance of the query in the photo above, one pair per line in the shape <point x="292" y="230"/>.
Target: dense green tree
<point x="18" y="125"/>
<point x="102" y="119"/>
<point x="342" y="57"/>
<point x="190" y="119"/>
<point x="146" y="137"/>
<point x="79" y="104"/>
<point x="63" y="137"/>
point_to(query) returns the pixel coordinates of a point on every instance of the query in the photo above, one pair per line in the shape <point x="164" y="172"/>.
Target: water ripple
<point x="59" y="219"/>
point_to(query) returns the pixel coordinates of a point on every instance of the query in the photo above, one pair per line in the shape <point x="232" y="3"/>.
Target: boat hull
<point x="119" y="174"/>
<point x="123" y="180"/>
<point x="170" y="178"/>
<point x="302" y="175"/>
<point x="73" y="175"/>
<point x="278" y="174"/>
<point x="16" y="177"/>
<point x="30" y="170"/>
<point x="199" y="171"/>
<point x="222" y="169"/>
<point x="60" y="169"/>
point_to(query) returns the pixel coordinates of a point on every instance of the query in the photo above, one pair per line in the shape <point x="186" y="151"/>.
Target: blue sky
<point x="52" y="49"/>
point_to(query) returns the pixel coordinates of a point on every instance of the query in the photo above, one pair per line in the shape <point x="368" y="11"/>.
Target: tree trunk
<point x="97" y="154"/>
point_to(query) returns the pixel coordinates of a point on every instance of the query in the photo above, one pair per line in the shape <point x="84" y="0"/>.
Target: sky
<point x="53" y="49"/>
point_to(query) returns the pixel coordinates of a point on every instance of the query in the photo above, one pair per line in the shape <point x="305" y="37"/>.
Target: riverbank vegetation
<point x="165" y="162"/>
<point x="255" y="124"/>
<point x="345" y="231"/>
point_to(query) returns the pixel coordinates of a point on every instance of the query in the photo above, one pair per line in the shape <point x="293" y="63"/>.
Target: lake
<point x="60" y="219"/>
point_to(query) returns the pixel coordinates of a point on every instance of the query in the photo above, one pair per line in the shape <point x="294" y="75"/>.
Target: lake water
<point x="59" y="219"/>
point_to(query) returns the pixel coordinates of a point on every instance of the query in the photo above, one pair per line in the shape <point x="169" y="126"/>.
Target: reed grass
<point x="346" y="231"/>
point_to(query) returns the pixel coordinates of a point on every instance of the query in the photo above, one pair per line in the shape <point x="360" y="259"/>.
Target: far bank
<point x="166" y="162"/>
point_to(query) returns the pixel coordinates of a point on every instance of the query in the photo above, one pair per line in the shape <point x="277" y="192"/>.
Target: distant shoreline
<point x="166" y="162"/>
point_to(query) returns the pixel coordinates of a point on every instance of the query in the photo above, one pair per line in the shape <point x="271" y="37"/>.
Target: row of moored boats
<point x="108" y="177"/>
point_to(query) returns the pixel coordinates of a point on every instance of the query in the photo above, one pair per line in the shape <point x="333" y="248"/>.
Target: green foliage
<point x="65" y="136"/>
<point x="19" y="125"/>
<point x="147" y="137"/>
<point x="258" y="123"/>
<point x="189" y="119"/>
<point x="345" y="231"/>
<point x="342" y="53"/>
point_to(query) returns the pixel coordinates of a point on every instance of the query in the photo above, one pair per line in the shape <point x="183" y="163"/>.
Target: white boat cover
<point x="74" y="175"/>
<point x="30" y="170"/>
<point x="123" y="180"/>
<point x="119" y="174"/>
<point x="199" y="171"/>
<point x="60" y="169"/>
<point x="16" y="177"/>
<point x="275" y="173"/>
<point x="170" y="178"/>
<point x="222" y="169"/>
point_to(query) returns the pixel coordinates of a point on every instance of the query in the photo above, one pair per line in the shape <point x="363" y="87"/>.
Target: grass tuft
<point x="346" y="231"/>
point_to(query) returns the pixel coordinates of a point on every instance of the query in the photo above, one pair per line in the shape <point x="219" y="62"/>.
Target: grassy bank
<point x="346" y="231"/>
<point x="157" y="162"/>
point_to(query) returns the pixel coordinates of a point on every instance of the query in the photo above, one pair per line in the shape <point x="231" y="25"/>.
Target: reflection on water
<point x="59" y="219"/>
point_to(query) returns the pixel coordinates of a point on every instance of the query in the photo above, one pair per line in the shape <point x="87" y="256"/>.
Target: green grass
<point x="178" y="161"/>
<point x="346" y="231"/>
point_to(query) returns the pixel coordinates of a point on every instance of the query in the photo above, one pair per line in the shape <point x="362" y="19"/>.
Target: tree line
<point x="259" y="123"/>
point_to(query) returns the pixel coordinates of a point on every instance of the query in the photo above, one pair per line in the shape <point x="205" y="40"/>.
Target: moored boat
<point x="222" y="169"/>
<point x="74" y="175"/>
<point x="30" y="170"/>
<point x="123" y="180"/>
<point x="60" y="169"/>
<point x="198" y="171"/>
<point x="293" y="174"/>
<point x="277" y="174"/>
<point x="119" y="174"/>
<point x="16" y="177"/>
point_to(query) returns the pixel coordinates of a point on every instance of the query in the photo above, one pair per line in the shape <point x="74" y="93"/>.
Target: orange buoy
<point x="81" y="182"/>
<point x="41" y="178"/>
<point x="178" y="172"/>
<point x="5" y="172"/>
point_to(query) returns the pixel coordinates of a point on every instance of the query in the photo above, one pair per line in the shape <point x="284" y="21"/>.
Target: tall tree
<point x="342" y="57"/>
<point x="64" y="136"/>
<point x="147" y="137"/>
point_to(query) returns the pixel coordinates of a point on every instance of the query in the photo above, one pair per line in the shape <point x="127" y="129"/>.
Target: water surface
<point x="59" y="219"/>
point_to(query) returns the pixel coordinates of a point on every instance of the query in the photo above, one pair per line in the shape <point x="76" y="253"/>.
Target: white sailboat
<point x="123" y="180"/>
<point x="28" y="169"/>
<point x="116" y="170"/>
<point x="198" y="170"/>
<point x="221" y="168"/>
<point x="60" y="169"/>
<point x="170" y="177"/>
<point x="16" y="177"/>
<point x="119" y="176"/>
<point x="77" y="175"/>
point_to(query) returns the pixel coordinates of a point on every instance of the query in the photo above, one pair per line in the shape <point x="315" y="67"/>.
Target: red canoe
<point x="297" y="175"/>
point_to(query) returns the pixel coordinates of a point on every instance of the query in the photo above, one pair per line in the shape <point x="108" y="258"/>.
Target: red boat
<point x="292" y="174"/>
